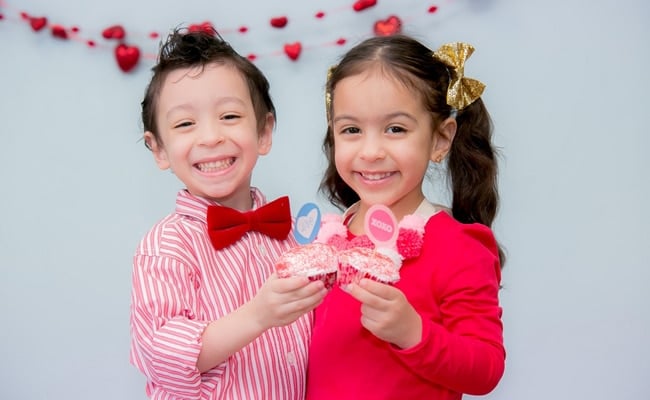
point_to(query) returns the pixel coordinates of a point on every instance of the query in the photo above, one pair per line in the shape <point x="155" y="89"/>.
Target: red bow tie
<point x="227" y="225"/>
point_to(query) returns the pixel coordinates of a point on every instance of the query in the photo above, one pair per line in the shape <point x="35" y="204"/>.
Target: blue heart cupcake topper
<point x="307" y="223"/>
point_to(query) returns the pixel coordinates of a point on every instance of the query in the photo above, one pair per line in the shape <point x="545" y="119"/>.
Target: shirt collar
<point x="196" y="207"/>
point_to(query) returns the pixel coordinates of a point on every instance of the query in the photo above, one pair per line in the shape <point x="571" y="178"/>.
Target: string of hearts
<point x="128" y="55"/>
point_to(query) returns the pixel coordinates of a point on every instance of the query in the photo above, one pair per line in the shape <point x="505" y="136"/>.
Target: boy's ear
<point x="442" y="139"/>
<point x="159" y="153"/>
<point x="265" y="137"/>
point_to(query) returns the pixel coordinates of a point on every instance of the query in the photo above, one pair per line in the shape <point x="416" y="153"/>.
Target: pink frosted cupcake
<point x="317" y="261"/>
<point x="360" y="262"/>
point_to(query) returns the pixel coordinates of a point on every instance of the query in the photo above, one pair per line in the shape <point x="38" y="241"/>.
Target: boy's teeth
<point x="214" y="166"/>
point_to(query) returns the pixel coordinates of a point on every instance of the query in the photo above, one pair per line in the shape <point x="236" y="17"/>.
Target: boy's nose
<point x="210" y="135"/>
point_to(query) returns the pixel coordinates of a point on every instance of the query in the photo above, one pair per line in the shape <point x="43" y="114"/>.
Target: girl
<point x="393" y="107"/>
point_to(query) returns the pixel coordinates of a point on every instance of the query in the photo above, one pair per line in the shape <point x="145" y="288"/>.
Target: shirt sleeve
<point x="463" y="351"/>
<point x="165" y="332"/>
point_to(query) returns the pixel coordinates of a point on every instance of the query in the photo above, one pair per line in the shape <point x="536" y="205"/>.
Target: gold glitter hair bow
<point x="462" y="91"/>
<point x="328" y="94"/>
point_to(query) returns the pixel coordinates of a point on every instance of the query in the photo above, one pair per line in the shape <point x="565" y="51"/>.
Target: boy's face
<point x="208" y="133"/>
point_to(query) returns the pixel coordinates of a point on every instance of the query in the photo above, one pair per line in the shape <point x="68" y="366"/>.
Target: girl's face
<point x="208" y="133"/>
<point x="383" y="140"/>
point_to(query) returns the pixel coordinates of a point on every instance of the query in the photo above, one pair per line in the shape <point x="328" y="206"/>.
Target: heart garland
<point x="127" y="56"/>
<point x="292" y="50"/>
<point x="114" y="32"/>
<point x="361" y="5"/>
<point x="279" y="22"/>
<point x="390" y="26"/>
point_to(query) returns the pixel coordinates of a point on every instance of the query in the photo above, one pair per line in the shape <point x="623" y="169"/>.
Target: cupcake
<point x="317" y="261"/>
<point x="381" y="265"/>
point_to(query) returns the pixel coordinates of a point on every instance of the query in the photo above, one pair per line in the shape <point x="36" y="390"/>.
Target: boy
<point x="209" y="318"/>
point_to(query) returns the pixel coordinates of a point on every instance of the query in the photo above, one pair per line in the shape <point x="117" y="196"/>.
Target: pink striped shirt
<point x="181" y="284"/>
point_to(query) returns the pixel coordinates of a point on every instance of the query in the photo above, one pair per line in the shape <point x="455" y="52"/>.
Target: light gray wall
<point x="567" y="86"/>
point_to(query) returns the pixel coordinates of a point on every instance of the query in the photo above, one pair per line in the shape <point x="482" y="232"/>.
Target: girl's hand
<point x="386" y="313"/>
<point x="280" y="301"/>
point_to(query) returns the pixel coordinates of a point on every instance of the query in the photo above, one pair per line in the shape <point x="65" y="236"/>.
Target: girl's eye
<point x="350" y="130"/>
<point x="230" y="116"/>
<point x="396" y="129"/>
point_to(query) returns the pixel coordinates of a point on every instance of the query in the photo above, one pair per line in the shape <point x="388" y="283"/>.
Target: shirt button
<point x="262" y="250"/>
<point x="291" y="358"/>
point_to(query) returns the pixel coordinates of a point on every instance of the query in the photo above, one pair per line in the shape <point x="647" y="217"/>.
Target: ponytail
<point x="472" y="166"/>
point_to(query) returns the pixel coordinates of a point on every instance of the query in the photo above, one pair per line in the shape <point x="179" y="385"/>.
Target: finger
<point x="379" y="289"/>
<point x="288" y="284"/>
<point x="361" y="294"/>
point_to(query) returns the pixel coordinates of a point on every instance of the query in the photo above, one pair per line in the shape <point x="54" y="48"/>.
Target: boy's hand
<point x="386" y="313"/>
<point x="281" y="301"/>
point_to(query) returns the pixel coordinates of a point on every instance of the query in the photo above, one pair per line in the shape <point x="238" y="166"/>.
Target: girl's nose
<point x="373" y="147"/>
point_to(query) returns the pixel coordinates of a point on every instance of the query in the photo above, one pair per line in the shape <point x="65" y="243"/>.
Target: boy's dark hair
<point x="187" y="49"/>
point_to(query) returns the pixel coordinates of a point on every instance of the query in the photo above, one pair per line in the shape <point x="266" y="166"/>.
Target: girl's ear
<point x="442" y="139"/>
<point x="159" y="153"/>
<point x="264" y="140"/>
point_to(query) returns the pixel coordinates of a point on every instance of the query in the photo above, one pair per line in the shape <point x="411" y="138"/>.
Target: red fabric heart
<point x="292" y="50"/>
<point x="37" y="23"/>
<point x="389" y="26"/>
<point x="114" y="32"/>
<point x="127" y="56"/>
<point x="59" y="32"/>
<point x="206" y="27"/>
<point x="279" y="22"/>
<point x="361" y="5"/>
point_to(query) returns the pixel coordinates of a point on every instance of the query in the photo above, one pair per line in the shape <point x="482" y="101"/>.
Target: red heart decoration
<point x="279" y="22"/>
<point x="59" y="32"/>
<point x="127" y="56"/>
<point x="361" y="5"/>
<point x="389" y="26"/>
<point x="37" y="23"/>
<point x="206" y="27"/>
<point x="114" y="32"/>
<point x="292" y="50"/>
<point x="320" y="15"/>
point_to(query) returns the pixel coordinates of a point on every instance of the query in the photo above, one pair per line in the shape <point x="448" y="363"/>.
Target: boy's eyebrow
<point x="219" y="101"/>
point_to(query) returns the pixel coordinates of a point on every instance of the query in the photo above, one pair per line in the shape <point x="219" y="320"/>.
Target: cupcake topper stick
<point x="307" y="223"/>
<point x="381" y="226"/>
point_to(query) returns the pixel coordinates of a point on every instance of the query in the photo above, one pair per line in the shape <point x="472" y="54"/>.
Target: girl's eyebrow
<point x="387" y="116"/>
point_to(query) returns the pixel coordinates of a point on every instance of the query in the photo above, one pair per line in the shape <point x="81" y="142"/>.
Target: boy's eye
<point x="230" y="116"/>
<point x="184" y="124"/>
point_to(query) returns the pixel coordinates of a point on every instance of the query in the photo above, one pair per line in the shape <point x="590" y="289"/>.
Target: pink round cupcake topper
<point x="381" y="226"/>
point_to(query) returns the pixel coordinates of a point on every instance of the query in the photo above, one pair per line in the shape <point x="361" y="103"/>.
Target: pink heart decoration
<point x="389" y="26"/>
<point x="292" y="50"/>
<point x="279" y="22"/>
<point x="127" y="56"/>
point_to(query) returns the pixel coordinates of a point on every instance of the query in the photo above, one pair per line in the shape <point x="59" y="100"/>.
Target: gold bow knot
<point x="462" y="91"/>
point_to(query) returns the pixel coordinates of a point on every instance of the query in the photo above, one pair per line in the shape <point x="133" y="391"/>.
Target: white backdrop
<point x="567" y="87"/>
